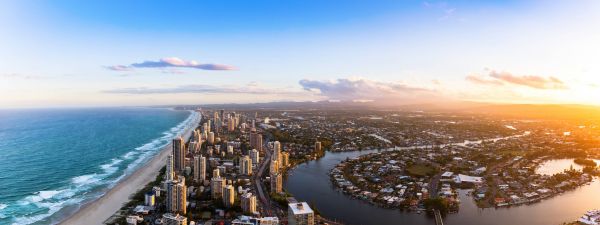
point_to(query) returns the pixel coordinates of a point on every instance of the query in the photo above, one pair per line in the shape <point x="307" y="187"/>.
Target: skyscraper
<point x="228" y="196"/>
<point x="176" y="196"/>
<point x="211" y="138"/>
<point x="256" y="140"/>
<point x="216" y="173"/>
<point x="216" y="186"/>
<point x="199" y="168"/>
<point x="317" y="146"/>
<point x="300" y="214"/>
<point x="274" y="167"/>
<point x="178" y="154"/>
<point x="246" y="165"/>
<point x="285" y="159"/>
<point x="276" y="183"/>
<point x="231" y="124"/>
<point x="248" y="203"/>
<point x="170" y="172"/>
<point x="277" y="153"/>
<point x="255" y="156"/>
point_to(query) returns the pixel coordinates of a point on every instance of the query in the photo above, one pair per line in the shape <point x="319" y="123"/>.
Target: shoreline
<point x="99" y="210"/>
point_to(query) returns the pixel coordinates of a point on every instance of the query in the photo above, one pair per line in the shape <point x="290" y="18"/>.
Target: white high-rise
<point x="300" y="214"/>
<point x="246" y="165"/>
<point x="199" y="168"/>
<point x="170" y="173"/>
<point x="177" y="196"/>
<point x="255" y="156"/>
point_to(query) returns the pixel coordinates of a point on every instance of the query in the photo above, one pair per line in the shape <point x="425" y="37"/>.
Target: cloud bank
<point x="364" y="90"/>
<point x="171" y="62"/>
<point x="252" y="88"/>
<point x="531" y="81"/>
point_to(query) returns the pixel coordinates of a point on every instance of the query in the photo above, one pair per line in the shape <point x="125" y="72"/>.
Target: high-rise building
<point x="318" y="146"/>
<point x="285" y="159"/>
<point x="199" y="168"/>
<point x="248" y="203"/>
<point x="216" y="186"/>
<point x="274" y="167"/>
<point x="255" y="156"/>
<point x="229" y="150"/>
<point x="174" y="219"/>
<point x="211" y="138"/>
<point x="276" y="183"/>
<point x="176" y="196"/>
<point x="170" y="171"/>
<point x="256" y="140"/>
<point x="209" y="123"/>
<point x="246" y="165"/>
<point x="193" y="147"/>
<point x="149" y="198"/>
<point x="228" y="196"/>
<point x="277" y="153"/>
<point x="231" y="124"/>
<point x="300" y="214"/>
<point x="216" y="173"/>
<point x="178" y="154"/>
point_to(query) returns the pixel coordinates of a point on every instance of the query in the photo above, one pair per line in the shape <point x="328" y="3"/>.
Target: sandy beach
<point x="98" y="211"/>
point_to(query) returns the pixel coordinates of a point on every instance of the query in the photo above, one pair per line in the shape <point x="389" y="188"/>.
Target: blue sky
<point x="112" y="53"/>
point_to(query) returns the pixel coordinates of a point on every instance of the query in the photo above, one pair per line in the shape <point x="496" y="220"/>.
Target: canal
<point x="310" y="182"/>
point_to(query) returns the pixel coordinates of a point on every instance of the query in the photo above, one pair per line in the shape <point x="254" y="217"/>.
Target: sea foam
<point x="53" y="200"/>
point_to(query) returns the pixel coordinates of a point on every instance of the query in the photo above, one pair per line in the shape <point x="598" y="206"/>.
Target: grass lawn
<point x="420" y="170"/>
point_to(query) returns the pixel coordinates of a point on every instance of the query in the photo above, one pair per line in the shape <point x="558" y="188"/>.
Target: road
<point x="258" y="184"/>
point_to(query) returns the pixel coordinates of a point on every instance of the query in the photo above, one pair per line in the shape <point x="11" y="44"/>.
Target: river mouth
<point x="310" y="182"/>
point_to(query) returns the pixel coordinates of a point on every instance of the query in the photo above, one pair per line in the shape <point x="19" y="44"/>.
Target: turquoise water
<point x="52" y="160"/>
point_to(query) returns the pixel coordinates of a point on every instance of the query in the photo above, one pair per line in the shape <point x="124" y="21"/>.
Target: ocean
<point x="54" y="160"/>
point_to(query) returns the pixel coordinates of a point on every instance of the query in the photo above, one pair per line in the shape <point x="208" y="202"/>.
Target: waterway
<point x="310" y="182"/>
<point x="555" y="166"/>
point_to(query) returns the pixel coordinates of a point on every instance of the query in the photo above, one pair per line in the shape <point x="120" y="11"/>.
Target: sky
<point x="68" y="53"/>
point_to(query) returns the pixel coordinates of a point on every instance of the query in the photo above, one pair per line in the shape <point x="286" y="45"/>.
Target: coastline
<point x="101" y="209"/>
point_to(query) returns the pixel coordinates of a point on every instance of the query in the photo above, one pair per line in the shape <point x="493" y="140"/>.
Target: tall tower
<point x="178" y="154"/>
<point x="248" y="203"/>
<point x="211" y="138"/>
<point x="276" y="183"/>
<point x="170" y="170"/>
<point x="216" y="187"/>
<point x="199" y="168"/>
<point x="276" y="152"/>
<point x="176" y="196"/>
<point x="255" y="156"/>
<point x="246" y="165"/>
<point x="228" y="196"/>
<point x="274" y="167"/>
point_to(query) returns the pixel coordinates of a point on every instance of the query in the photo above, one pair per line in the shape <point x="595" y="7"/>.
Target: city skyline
<point x="75" y="54"/>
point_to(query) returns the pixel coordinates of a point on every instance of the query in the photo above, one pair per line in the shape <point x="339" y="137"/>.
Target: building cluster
<point x="392" y="179"/>
<point x="210" y="178"/>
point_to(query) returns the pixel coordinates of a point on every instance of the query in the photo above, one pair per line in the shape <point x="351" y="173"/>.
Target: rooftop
<point x="300" y="208"/>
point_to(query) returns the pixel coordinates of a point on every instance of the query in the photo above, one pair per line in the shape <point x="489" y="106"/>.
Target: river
<point x="310" y="182"/>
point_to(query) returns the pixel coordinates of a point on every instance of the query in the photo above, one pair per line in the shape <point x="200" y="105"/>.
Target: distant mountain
<point x="524" y="111"/>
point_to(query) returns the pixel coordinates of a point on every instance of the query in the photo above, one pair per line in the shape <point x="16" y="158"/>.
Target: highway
<point x="258" y="184"/>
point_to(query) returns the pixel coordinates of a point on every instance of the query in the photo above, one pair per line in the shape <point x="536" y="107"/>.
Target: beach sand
<point x="99" y="210"/>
